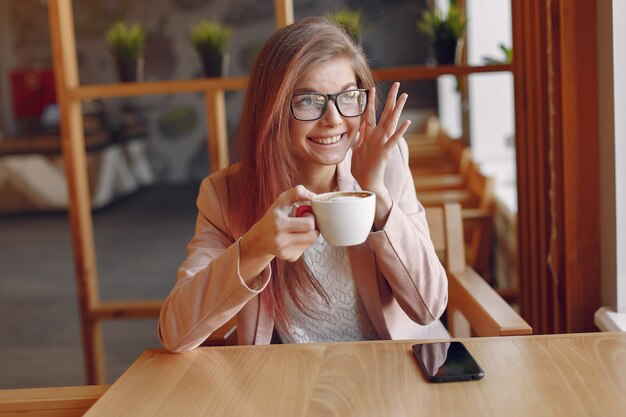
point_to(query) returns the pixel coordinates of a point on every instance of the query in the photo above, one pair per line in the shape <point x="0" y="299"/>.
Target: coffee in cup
<point x="344" y="218"/>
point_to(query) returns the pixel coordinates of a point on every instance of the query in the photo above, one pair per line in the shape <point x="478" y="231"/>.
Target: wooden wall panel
<point x="580" y="149"/>
<point x="557" y="154"/>
<point x="555" y="258"/>
<point x="531" y="135"/>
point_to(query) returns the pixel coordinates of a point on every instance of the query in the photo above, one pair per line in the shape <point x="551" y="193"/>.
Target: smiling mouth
<point x="327" y="140"/>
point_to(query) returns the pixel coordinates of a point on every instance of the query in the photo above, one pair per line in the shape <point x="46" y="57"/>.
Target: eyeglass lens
<point x="312" y="106"/>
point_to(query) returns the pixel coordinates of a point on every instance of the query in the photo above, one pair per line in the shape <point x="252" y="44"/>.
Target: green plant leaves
<point x="210" y="37"/>
<point x="126" y="41"/>
<point x="437" y="25"/>
<point x="350" y="21"/>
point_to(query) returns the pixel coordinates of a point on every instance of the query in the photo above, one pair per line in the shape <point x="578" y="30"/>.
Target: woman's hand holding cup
<point x="277" y="234"/>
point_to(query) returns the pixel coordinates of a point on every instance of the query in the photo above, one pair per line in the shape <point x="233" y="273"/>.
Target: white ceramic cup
<point x="344" y="218"/>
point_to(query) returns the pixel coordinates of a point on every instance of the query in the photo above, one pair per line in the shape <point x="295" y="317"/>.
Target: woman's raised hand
<point x="376" y="141"/>
<point x="277" y="234"/>
<point x="375" y="144"/>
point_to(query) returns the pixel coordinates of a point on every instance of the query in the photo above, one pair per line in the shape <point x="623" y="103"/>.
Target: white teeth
<point x="327" y="141"/>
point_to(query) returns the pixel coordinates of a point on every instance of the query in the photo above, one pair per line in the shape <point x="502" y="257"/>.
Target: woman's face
<point x="325" y="141"/>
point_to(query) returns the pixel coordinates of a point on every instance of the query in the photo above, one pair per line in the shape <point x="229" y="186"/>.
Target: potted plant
<point x="444" y="31"/>
<point x="210" y="40"/>
<point x="508" y="56"/>
<point x="350" y="21"/>
<point x="126" y="42"/>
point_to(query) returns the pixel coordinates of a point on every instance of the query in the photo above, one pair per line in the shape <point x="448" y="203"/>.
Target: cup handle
<point x="302" y="210"/>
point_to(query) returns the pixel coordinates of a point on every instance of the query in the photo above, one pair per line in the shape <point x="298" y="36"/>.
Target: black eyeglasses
<point x="312" y="106"/>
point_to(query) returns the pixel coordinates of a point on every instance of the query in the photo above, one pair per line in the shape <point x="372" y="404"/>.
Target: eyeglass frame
<point x="329" y="97"/>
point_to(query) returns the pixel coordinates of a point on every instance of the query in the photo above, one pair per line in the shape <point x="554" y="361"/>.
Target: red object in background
<point x="33" y="89"/>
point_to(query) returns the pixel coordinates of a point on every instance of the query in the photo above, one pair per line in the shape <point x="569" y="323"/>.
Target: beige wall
<point x="612" y="108"/>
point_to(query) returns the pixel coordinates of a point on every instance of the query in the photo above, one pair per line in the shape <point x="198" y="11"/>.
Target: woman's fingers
<point x="390" y="103"/>
<point x="393" y="140"/>
<point x="287" y="199"/>
<point x="305" y="223"/>
<point x="393" y="110"/>
<point x="395" y="115"/>
<point x="371" y="109"/>
<point x="299" y="193"/>
<point x="391" y="113"/>
<point x="282" y="219"/>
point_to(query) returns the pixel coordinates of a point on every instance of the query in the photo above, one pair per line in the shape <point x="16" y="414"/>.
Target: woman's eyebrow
<point x="305" y="90"/>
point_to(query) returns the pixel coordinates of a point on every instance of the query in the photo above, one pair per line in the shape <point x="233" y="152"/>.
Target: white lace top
<point x="344" y="318"/>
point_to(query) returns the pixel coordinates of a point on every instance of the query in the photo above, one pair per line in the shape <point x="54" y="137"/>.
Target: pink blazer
<point x="397" y="274"/>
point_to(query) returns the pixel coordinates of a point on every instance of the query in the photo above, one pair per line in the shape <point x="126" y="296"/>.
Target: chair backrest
<point x="481" y="186"/>
<point x="431" y="127"/>
<point x="474" y="308"/>
<point x="446" y="156"/>
<point x="430" y="133"/>
<point x="446" y="232"/>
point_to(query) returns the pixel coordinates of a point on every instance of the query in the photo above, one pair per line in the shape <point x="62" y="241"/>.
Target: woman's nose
<point x="332" y="115"/>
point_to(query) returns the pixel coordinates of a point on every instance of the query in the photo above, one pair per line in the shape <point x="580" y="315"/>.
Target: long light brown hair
<point x="267" y="162"/>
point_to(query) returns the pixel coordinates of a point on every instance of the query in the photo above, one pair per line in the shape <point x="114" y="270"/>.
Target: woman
<point x="308" y="126"/>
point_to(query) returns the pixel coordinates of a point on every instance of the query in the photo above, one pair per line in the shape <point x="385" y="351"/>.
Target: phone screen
<point x="447" y="362"/>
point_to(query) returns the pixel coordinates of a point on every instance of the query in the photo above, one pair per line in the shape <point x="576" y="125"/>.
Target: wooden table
<point x="558" y="375"/>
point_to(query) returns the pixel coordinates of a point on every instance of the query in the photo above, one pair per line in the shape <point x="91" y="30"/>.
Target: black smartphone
<point x="447" y="362"/>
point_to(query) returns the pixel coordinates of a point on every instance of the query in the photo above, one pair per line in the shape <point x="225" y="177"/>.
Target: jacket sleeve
<point x="209" y="290"/>
<point x="403" y="249"/>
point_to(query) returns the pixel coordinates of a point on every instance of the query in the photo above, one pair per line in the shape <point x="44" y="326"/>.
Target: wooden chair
<point x="443" y="172"/>
<point x="447" y="156"/>
<point x="476" y="191"/>
<point x="94" y="312"/>
<point x="50" y="402"/>
<point x="429" y="133"/>
<point x="437" y="161"/>
<point x="477" y="200"/>
<point x="449" y="171"/>
<point x="473" y="306"/>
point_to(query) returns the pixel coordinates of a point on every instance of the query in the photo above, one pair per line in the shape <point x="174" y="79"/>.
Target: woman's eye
<point x="349" y="96"/>
<point x="304" y="101"/>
